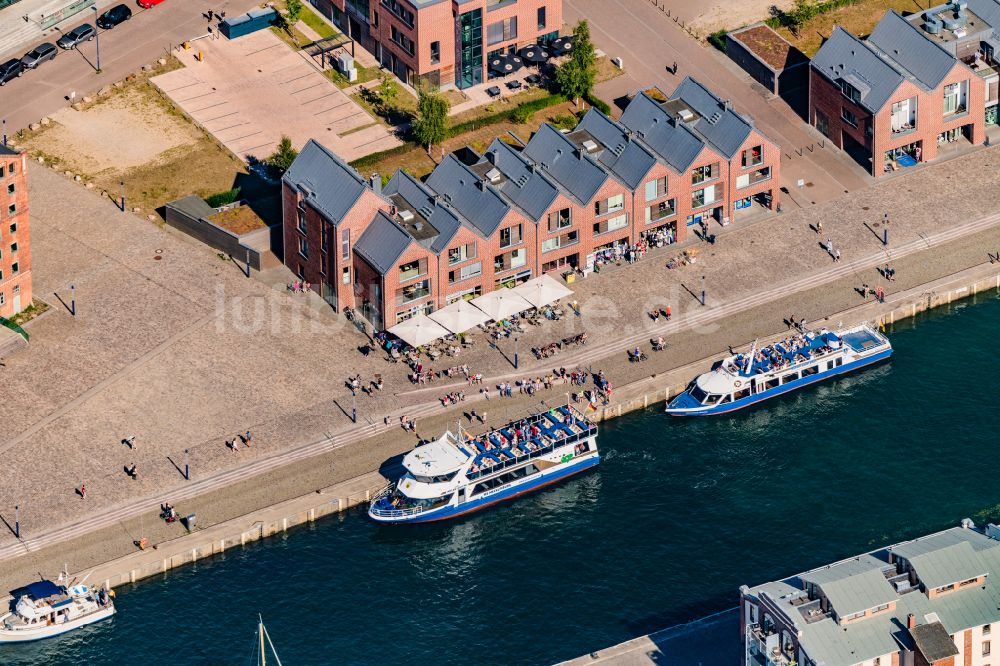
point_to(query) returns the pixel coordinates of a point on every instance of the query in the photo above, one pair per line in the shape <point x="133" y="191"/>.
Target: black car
<point x="10" y="70"/>
<point x="77" y="35"/>
<point x="114" y="16"/>
<point x="38" y="55"/>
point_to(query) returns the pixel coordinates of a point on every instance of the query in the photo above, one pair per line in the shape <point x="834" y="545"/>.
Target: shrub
<point x="222" y="198"/>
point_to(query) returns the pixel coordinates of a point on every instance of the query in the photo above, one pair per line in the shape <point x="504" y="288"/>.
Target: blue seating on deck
<point x="480" y="446"/>
<point x="462" y="449"/>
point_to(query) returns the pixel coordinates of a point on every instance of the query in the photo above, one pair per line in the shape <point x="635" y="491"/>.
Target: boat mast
<point x="260" y="636"/>
<point x="273" y="651"/>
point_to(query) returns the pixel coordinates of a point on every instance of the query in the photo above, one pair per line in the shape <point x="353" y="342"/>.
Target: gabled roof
<point x="525" y="186"/>
<point x="328" y="183"/>
<point x="905" y="44"/>
<point x="987" y="10"/>
<point x="563" y="162"/>
<point x="382" y="243"/>
<point x="620" y="152"/>
<point x="718" y="123"/>
<point x="853" y="586"/>
<point x="671" y="139"/>
<point x="934" y="642"/>
<point x="845" y="57"/>
<point x="440" y="223"/>
<point x="464" y="191"/>
<point x="949" y="564"/>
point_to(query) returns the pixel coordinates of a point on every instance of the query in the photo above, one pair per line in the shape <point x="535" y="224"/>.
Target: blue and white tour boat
<point x="44" y="609"/>
<point x="742" y="380"/>
<point x="458" y="474"/>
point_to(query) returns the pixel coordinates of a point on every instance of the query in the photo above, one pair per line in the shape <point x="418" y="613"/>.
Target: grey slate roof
<point x="833" y="644"/>
<point x="900" y="41"/>
<point x="382" y="243"/>
<point x="853" y="586"/>
<point x="444" y="221"/>
<point x="527" y="188"/>
<point x="987" y="10"/>
<point x="192" y="205"/>
<point x="844" y="55"/>
<point x="933" y="641"/>
<point x="719" y="124"/>
<point x="4" y="150"/>
<point x="477" y="202"/>
<point x="669" y="138"/>
<point x="622" y="153"/>
<point x="575" y="171"/>
<point x="332" y="187"/>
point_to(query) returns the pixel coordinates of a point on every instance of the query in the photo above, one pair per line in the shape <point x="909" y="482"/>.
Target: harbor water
<point x="678" y="516"/>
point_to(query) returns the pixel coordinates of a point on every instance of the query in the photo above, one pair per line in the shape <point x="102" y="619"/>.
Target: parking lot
<point x="250" y="91"/>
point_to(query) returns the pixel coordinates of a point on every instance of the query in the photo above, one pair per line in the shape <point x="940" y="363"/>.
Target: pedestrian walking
<point x="790" y="321"/>
<point x="819" y="227"/>
<point x="247" y="438"/>
<point x="83" y="491"/>
<point x="836" y="255"/>
<point x="131" y="442"/>
<point x="673" y="69"/>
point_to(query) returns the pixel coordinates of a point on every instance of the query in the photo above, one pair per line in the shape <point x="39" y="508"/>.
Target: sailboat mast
<point x="260" y="635"/>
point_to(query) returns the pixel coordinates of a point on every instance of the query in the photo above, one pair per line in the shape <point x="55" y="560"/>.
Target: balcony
<point x="661" y="212"/>
<point x="763" y="648"/>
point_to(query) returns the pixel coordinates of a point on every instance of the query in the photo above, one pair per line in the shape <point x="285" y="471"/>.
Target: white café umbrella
<point x="460" y="316"/>
<point x="501" y="304"/>
<point x="419" y="330"/>
<point x="542" y="290"/>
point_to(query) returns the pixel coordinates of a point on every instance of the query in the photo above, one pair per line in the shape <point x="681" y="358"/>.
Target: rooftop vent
<point x="686" y="115"/>
<point x="901" y="586"/>
<point x="931" y="617"/>
<point x="419" y="226"/>
<point x="590" y="146"/>
<point x="494" y="175"/>
<point x="933" y="27"/>
<point x="406" y="215"/>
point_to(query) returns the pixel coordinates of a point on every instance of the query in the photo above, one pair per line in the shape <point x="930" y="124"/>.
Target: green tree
<point x="283" y="157"/>
<point x="575" y="77"/>
<point x="430" y="126"/>
<point x="387" y="93"/>
<point x="294" y="9"/>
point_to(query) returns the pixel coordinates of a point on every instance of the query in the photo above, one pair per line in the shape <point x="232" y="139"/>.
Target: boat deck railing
<point x="523" y="457"/>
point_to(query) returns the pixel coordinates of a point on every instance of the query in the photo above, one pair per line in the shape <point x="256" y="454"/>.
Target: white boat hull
<point x="38" y="632"/>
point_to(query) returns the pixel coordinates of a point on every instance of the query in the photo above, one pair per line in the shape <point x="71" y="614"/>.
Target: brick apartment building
<point x="15" y="248"/>
<point x="913" y="86"/>
<point x="928" y="602"/>
<point x="443" y="42"/>
<point x="482" y="221"/>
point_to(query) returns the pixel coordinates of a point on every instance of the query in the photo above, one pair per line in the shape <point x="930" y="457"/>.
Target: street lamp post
<point x="187" y="468"/>
<point x="4" y="132"/>
<point x="703" y="290"/>
<point x="354" y="407"/>
<point x="97" y="34"/>
<point x="17" y="521"/>
<point x="516" y="349"/>
<point x="885" y="229"/>
<point x="123" y="195"/>
<point x="72" y="301"/>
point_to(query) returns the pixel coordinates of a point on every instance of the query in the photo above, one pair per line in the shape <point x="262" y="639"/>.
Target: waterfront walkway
<point x="163" y="321"/>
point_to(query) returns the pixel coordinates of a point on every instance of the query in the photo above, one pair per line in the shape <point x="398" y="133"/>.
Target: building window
<point x="402" y="41"/>
<point x="515" y="259"/>
<point x="412" y="269"/>
<point x="560" y="241"/>
<point x="656" y="188"/>
<point x="850" y="92"/>
<point x="986" y="648"/>
<point x="304" y="247"/>
<point x="10" y="169"/>
<point x="14" y="268"/>
<point x="560" y="219"/>
<point x="703" y="197"/>
<point x="510" y="236"/>
<point x="747" y="179"/>
<point x="986" y="630"/>
<point x="753" y="156"/>
<point x="322" y="264"/>
<point x="12" y="209"/>
<point x="401" y="12"/>
<point x="345" y="244"/>
<point x="703" y="173"/>
<point x="13" y="248"/>
<point x="954" y="98"/>
<point x="501" y="31"/>
<point x="435" y="52"/>
<point x="660" y="211"/>
<point x="465" y="272"/>
<point x="13" y="228"/>
<point x="613" y="224"/>
<point x="457" y="255"/>
<point x="541" y="18"/>
<point x="10" y="188"/>
<point x="302" y="219"/>
<point x="611" y="205"/>
<point x="849" y="117"/>
<point x="3" y="298"/>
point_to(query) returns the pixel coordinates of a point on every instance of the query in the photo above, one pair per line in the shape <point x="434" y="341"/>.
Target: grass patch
<point x="357" y="129"/>
<point x="223" y="198"/>
<point x="856" y="16"/>
<point x="316" y="22"/>
<point x="606" y="70"/>
<point x="36" y="308"/>
<point x="365" y="75"/>
<point x="239" y="220"/>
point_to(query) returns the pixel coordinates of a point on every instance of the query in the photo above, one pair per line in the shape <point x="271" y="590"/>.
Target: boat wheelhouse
<point x="44" y="609"/>
<point x="742" y="380"/>
<point x="458" y="474"/>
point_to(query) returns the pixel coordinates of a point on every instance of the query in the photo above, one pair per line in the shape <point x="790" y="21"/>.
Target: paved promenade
<point x="172" y="345"/>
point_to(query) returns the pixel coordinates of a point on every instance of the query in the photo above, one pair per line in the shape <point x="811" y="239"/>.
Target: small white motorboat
<point x="44" y="609"/>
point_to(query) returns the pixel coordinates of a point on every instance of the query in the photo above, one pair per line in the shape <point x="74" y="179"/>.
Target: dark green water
<point x="680" y="514"/>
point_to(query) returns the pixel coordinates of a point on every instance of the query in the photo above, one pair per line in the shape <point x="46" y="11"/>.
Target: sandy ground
<point x="120" y="132"/>
<point x="731" y="14"/>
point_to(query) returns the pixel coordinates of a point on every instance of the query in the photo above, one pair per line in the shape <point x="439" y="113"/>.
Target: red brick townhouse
<point x="443" y="42"/>
<point x="481" y="222"/>
<point x="15" y="247"/>
<point x="892" y="100"/>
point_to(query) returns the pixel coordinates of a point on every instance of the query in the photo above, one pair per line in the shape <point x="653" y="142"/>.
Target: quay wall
<point x="277" y="519"/>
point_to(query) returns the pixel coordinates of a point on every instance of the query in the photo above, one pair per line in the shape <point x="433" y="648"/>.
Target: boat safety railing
<point x="548" y="448"/>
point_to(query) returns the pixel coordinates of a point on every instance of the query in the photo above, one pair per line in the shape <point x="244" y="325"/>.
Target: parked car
<point x="39" y="54"/>
<point x="77" y="35"/>
<point x="114" y="16"/>
<point x="146" y="4"/>
<point x="10" y="70"/>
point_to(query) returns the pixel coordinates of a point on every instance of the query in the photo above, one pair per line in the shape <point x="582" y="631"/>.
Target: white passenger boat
<point x="458" y="474"/>
<point x="742" y="380"/>
<point x="44" y="609"/>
